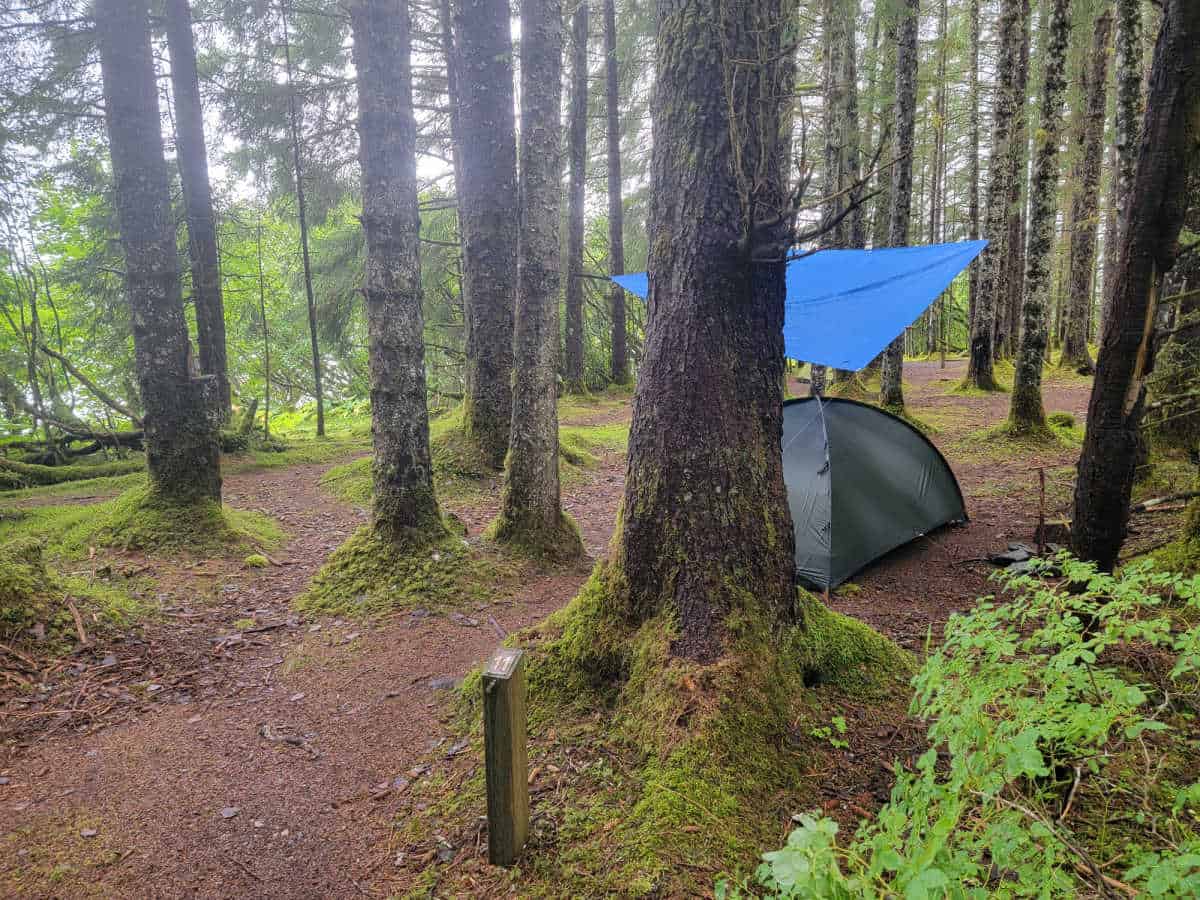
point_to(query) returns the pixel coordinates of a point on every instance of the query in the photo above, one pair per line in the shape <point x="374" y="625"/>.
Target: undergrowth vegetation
<point x="1063" y="754"/>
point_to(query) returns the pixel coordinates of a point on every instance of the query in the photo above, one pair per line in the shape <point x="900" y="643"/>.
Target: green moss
<point x="31" y="594"/>
<point x="256" y="561"/>
<point x="140" y="519"/>
<point x="88" y="487"/>
<point x="1181" y="556"/>
<point x="369" y="575"/>
<point x="1060" y="420"/>
<point x="532" y="538"/>
<point x="709" y="761"/>
<point x="15" y="475"/>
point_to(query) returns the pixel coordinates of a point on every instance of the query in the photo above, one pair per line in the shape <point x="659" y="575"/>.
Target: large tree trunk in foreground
<point x="180" y="437"/>
<point x="487" y="215"/>
<point x="1000" y="178"/>
<point x="1084" y="203"/>
<point x="577" y="152"/>
<point x="197" y="198"/>
<point x="707" y="534"/>
<point x="891" y="386"/>
<point x="531" y="514"/>
<point x="405" y="507"/>
<point x="1027" y="411"/>
<point x="1170" y="140"/>
<point x="616" y="209"/>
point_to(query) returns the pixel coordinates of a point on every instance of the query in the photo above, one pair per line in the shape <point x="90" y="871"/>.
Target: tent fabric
<point x="844" y="306"/>
<point x="860" y="482"/>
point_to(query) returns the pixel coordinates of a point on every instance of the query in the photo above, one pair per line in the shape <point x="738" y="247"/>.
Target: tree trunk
<point x="891" y="389"/>
<point x="707" y="535"/>
<point x="197" y="199"/>
<point x="301" y="211"/>
<point x="180" y="437"/>
<point x="487" y="216"/>
<point x="266" y="336"/>
<point x="1000" y="178"/>
<point x="577" y="165"/>
<point x="1129" y="72"/>
<point x="973" y="154"/>
<point x="405" y="508"/>
<point x="1008" y="313"/>
<point x="1169" y="140"/>
<point x="531" y="515"/>
<point x="616" y="208"/>
<point x="1084" y="203"/>
<point x="1027" y="412"/>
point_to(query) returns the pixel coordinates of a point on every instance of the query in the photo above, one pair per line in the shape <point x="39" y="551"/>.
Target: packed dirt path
<point x="275" y="769"/>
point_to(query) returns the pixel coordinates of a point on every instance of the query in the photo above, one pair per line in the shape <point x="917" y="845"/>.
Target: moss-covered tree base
<point x="531" y="537"/>
<point x="677" y="771"/>
<point x="370" y="575"/>
<point x="139" y="519"/>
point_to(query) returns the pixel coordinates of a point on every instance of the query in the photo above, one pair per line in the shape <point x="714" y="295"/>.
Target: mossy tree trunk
<point x="1027" y="412"/>
<point x="405" y="508"/>
<point x="487" y="215"/>
<point x="972" y="151"/>
<point x="1093" y="73"/>
<point x="616" y="207"/>
<point x="180" y="434"/>
<point x="576" y="192"/>
<point x="1006" y="106"/>
<point x="891" y="383"/>
<point x="531" y="513"/>
<point x="1170" y="139"/>
<point x="1129" y="71"/>
<point x="197" y="199"/>
<point x="707" y="535"/>
<point x="1009" y="305"/>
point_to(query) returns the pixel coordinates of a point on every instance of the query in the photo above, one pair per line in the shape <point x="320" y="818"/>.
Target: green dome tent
<point x="861" y="482"/>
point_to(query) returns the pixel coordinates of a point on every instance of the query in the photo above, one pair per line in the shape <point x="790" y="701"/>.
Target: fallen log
<point x="28" y="475"/>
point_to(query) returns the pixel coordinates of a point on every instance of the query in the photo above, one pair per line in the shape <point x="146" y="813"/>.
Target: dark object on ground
<point x="860" y="482"/>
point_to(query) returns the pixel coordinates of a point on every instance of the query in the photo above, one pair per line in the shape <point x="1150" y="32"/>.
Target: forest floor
<point x="235" y="748"/>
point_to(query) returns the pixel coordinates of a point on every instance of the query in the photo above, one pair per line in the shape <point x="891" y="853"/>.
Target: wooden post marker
<point x="505" y="755"/>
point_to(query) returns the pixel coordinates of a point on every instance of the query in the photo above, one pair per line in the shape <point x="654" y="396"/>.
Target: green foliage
<point x="25" y="586"/>
<point x="1034" y="704"/>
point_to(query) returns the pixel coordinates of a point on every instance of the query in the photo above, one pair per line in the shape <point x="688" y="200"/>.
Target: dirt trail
<point x="276" y="769"/>
<point x="194" y="796"/>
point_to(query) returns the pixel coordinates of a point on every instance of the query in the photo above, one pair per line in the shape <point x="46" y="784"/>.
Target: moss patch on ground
<point x="369" y="576"/>
<point x="34" y="598"/>
<point x="138" y="520"/>
<point x="651" y="774"/>
<point x="58" y="857"/>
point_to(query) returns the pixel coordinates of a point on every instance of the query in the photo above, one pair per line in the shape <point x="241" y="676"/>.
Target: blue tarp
<point x="844" y="306"/>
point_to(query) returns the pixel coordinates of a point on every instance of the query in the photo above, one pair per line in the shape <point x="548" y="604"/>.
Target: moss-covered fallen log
<point x="14" y="475"/>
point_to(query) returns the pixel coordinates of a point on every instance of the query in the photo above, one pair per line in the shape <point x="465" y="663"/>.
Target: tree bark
<point x="180" y="435"/>
<point x="302" y="213"/>
<point x="531" y="514"/>
<point x="1129" y="71"/>
<point x="1084" y="203"/>
<point x="577" y="166"/>
<point x="707" y="534"/>
<point x="1000" y="177"/>
<point x="1170" y="138"/>
<point x="405" y="508"/>
<point x="487" y="215"/>
<point x="1027" y="412"/>
<point x="1008" y="312"/>
<point x="891" y="389"/>
<point x="197" y="199"/>
<point x="616" y="208"/>
<point x="973" y="153"/>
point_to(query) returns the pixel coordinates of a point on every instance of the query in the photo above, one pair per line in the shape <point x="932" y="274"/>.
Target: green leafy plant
<point x="1057" y="722"/>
